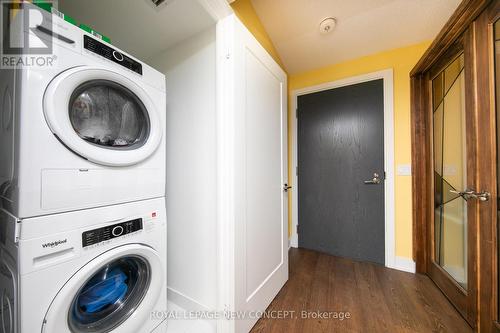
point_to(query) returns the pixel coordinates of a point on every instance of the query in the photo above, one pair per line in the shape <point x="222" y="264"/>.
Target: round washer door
<point x="115" y="292"/>
<point x="102" y="116"/>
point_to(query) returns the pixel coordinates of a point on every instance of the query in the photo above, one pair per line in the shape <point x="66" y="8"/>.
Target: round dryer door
<point x="102" y="116"/>
<point x="115" y="292"/>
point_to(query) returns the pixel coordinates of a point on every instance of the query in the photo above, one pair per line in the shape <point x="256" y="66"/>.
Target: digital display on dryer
<point x="96" y="236"/>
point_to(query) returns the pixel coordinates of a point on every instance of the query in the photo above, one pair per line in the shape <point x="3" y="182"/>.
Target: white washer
<point x="101" y="270"/>
<point x="86" y="132"/>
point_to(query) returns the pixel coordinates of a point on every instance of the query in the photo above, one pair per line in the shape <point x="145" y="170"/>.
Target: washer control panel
<point x="96" y="236"/>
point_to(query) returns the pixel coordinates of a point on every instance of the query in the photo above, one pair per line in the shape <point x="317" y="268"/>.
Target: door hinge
<point x="10" y="227"/>
<point x="296" y="170"/>
<point x="297" y="229"/>
<point x="296" y="113"/>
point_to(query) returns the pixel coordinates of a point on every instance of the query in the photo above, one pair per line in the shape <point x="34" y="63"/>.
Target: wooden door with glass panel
<point x="452" y="239"/>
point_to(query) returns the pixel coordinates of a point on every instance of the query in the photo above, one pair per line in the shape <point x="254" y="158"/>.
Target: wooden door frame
<point x="469" y="15"/>
<point x="387" y="75"/>
<point x="487" y="133"/>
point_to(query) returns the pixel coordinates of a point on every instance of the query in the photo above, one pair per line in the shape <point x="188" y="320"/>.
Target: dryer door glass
<point x="110" y="296"/>
<point x="107" y="114"/>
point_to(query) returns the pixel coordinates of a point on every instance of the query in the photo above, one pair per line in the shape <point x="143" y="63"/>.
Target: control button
<point x="118" y="56"/>
<point x="117" y="231"/>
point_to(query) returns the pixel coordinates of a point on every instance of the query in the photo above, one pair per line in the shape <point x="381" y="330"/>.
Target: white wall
<point x="190" y="69"/>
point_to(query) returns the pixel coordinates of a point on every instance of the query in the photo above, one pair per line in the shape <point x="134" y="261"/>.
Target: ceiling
<point x="136" y="26"/>
<point x="363" y="27"/>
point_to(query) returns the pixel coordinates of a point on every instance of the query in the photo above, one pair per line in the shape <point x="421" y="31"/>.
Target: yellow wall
<point x="401" y="61"/>
<point x="246" y="13"/>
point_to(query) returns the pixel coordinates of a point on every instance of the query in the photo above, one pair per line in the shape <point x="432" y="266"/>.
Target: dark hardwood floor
<point x="378" y="299"/>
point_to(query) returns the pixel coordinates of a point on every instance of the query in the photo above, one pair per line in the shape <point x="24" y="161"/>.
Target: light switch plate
<point x="404" y="170"/>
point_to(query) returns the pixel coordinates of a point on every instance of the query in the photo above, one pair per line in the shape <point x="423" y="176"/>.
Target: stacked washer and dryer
<point x="82" y="185"/>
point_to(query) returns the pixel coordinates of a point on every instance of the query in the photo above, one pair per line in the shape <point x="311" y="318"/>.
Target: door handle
<point x="471" y="194"/>
<point x="286" y="187"/>
<point x="375" y="180"/>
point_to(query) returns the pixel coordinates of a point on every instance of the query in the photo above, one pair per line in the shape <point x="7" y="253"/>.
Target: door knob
<point x="286" y="187"/>
<point x="471" y="194"/>
<point x="375" y="180"/>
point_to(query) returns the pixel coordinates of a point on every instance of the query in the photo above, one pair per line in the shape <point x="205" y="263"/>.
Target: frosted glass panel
<point x="454" y="155"/>
<point x="437" y="90"/>
<point x="438" y="139"/>
<point x="454" y="240"/>
<point x="450" y="209"/>
<point x="452" y="72"/>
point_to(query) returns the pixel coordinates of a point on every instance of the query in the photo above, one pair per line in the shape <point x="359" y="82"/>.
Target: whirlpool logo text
<point x="54" y="244"/>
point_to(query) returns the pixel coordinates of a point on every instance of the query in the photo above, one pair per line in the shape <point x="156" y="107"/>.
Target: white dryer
<point x="85" y="131"/>
<point x="102" y="270"/>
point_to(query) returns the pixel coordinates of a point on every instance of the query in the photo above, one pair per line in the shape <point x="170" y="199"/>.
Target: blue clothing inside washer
<point x="100" y="293"/>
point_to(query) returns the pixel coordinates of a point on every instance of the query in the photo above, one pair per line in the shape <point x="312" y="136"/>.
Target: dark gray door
<point x="340" y="146"/>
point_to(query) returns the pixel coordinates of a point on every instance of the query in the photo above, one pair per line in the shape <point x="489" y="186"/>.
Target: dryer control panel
<point x="111" y="54"/>
<point x="103" y="234"/>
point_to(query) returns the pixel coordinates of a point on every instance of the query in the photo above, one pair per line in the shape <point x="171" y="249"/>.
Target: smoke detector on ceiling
<point x="158" y="4"/>
<point x="327" y="25"/>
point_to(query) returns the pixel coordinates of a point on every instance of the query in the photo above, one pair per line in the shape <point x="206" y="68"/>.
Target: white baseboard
<point x="179" y="302"/>
<point x="403" y="264"/>
<point x="185" y="302"/>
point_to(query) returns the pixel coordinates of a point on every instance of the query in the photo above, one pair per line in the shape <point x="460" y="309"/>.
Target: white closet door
<point x="260" y="204"/>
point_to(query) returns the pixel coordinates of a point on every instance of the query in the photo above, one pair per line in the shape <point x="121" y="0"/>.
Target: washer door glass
<point x="108" y="114"/>
<point x="110" y="296"/>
